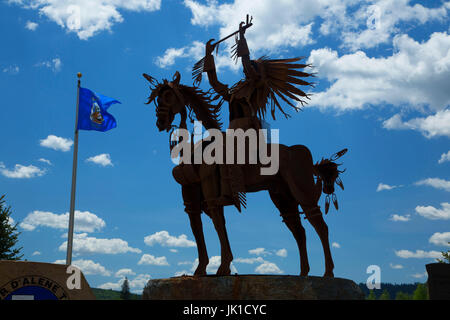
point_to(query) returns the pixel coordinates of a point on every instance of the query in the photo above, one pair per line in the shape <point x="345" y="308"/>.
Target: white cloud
<point x="173" y="250"/>
<point x="37" y="253"/>
<point x="259" y="252"/>
<point x="103" y="159"/>
<point x="166" y="240"/>
<point x="148" y="259"/>
<point x="82" y="244"/>
<point x="30" y="25"/>
<point x="415" y="75"/>
<point x="435" y="125"/>
<point x="440" y="239"/>
<point x="433" y="213"/>
<point x="53" y="64"/>
<point x="124" y="272"/>
<point x="45" y="161"/>
<point x="88" y="17"/>
<point x="194" y="51"/>
<point x="335" y="245"/>
<point x="435" y="183"/>
<point x="13" y="69"/>
<point x="376" y="21"/>
<point x="88" y="267"/>
<point x="382" y="186"/>
<point x="168" y="59"/>
<point x="276" y="25"/>
<point x="21" y="172"/>
<point x="117" y="286"/>
<point x="419" y="254"/>
<point x="396" y="266"/>
<point x="136" y="285"/>
<point x="56" y="143"/>
<point x="281" y="253"/>
<point x="396" y="217"/>
<point x="84" y="221"/>
<point x="419" y="275"/>
<point x="11" y="221"/>
<point x="445" y="157"/>
<point x="268" y="268"/>
<point x="249" y="260"/>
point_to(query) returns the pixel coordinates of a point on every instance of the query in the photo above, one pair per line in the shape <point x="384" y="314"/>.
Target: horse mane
<point x="201" y="103"/>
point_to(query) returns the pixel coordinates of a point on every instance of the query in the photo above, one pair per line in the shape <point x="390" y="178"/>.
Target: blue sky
<point x="383" y="92"/>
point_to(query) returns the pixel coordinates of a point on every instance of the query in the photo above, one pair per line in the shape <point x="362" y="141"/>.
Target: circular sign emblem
<point x="32" y="288"/>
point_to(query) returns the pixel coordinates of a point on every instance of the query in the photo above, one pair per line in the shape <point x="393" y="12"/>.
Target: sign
<point x="32" y="288"/>
<point x="27" y="280"/>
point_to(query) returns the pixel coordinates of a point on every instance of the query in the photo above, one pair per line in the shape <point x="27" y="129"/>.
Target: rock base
<point x="252" y="287"/>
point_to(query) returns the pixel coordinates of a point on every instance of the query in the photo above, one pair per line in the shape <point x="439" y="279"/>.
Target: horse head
<point x="168" y="101"/>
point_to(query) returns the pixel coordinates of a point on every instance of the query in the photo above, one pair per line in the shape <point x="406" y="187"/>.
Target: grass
<point x="108" y="294"/>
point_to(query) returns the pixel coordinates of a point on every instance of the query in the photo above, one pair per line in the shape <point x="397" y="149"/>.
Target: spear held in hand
<point x="197" y="70"/>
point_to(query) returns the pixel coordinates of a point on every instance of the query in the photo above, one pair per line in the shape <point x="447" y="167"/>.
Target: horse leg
<point x="288" y="208"/>
<point x="192" y="201"/>
<point x="314" y="216"/>
<point x="210" y="182"/>
<point x="298" y="173"/>
<point x="218" y="218"/>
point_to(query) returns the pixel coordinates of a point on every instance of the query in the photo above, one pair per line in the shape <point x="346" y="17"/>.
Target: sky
<point x="382" y="91"/>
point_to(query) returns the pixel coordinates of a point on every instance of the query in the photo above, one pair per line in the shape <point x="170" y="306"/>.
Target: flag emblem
<point x="96" y="112"/>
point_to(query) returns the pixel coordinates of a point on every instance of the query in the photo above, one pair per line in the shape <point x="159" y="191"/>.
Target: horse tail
<point x="327" y="172"/>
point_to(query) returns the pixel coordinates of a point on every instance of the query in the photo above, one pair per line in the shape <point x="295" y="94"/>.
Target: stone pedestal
<point x="25" y="280"/>
<point x="252" y="287"/>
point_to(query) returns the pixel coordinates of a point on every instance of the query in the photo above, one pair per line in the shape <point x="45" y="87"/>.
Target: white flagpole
<point x="74" y="181"/>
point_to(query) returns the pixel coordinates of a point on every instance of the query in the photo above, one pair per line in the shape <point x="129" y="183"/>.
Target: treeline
<point x="390" y="291"/>
<point x="108" y="294"/>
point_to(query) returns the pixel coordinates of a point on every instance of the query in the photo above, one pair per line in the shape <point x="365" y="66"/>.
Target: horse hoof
<point x="200" y="272"/>
<point x="223" y="271"/>
<point x="328" y="274"/>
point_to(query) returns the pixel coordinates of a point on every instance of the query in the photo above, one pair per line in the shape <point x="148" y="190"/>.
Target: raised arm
<point x="244" y="53"/>
<point x="210" y="68"/>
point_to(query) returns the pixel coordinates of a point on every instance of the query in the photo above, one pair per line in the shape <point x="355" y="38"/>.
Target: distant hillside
<point x="407" y="288"/>
<point x="108" y="294"/>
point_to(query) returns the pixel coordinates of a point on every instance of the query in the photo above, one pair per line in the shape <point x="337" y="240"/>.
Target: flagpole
<point x="74" y="181"/>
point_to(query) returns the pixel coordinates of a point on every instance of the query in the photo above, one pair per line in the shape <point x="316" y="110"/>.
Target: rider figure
<point x="241" y="99"/>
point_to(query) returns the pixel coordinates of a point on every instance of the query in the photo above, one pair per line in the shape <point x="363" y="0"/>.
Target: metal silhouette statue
<point x="209" y="187"/>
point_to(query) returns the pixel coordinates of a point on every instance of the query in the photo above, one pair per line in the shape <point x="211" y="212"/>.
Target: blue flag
<point x="92" y="111"/>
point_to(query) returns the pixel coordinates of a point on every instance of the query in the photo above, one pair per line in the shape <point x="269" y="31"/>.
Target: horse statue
<point x="298" y="181"/>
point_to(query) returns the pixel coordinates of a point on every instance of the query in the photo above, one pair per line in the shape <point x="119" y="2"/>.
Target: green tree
<point x="385" y="295"/>
<point x="125" y="292"/>
<point x="402" y="296"/>
<point x="446" y="256"/>
<point x="421" y="292"/>
<point x="8" y="234"/>
<point x="371" y="296"/>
